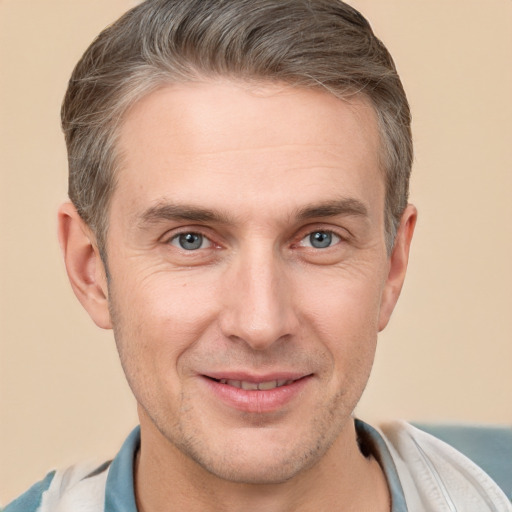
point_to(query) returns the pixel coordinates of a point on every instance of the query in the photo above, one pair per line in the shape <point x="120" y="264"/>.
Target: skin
<point x="249" y="174"/>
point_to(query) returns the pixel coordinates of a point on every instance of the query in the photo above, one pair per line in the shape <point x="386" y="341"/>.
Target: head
<point x="315" y="44"/>
<point x="241" y="167"/>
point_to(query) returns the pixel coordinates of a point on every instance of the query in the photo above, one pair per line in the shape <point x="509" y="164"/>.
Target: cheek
<point x="343" y="314"/>
<point x="156" y="320"/>
<point x="174" y="302"/>
<point x="342" y="302"/>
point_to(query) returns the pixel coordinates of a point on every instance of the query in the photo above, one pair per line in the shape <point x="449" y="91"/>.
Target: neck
<point x="343" y="480"/>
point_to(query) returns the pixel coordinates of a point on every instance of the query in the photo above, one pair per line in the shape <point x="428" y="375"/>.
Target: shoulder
<point x="433" y="472"/>
<point x="59" y="490"/>
<point x="86" y="487"/>
<point x="31" y="499"/>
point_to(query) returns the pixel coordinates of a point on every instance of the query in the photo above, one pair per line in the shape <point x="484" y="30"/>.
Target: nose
<point x="258" y="309"/>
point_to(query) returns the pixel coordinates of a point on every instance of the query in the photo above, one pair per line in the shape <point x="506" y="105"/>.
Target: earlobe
<point x="84" y="266"/>
<point x="397" y="265"/>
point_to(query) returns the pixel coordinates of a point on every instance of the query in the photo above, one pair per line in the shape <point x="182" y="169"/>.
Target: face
<point x="248" y="271"/>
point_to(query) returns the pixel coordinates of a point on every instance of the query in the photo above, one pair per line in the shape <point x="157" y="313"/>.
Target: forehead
<point x="205" y="140"/>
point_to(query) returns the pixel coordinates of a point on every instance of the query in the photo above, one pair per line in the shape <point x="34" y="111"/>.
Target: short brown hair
<point x="305" y="43"/>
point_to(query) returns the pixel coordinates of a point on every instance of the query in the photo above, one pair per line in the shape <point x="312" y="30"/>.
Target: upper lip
<point x="256" y="377"/>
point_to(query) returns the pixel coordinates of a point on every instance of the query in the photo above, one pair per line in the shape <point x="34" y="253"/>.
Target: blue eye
<point x="321" y="239"/>
<point x="190" y="241"/>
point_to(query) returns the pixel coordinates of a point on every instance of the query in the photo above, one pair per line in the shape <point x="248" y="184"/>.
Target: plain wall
<point x="447" y="354"/>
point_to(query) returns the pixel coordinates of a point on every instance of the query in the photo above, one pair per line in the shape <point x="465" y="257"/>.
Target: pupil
<point x="320" y="239"/>
<point x="190" y="241"/>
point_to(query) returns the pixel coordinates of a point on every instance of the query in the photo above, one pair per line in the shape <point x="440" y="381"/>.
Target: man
<point x="238" y="180"/>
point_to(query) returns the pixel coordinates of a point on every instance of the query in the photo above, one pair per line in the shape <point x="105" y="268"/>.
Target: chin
<point x="258" y="460"/>
<point x="255" y="472"/>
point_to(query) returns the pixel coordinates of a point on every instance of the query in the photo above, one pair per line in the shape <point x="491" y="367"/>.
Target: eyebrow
<point x="172" y="212"/>
<point x="344" y="206"/>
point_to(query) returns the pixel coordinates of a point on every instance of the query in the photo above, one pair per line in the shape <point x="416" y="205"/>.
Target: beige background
<point x="447" y="354"/>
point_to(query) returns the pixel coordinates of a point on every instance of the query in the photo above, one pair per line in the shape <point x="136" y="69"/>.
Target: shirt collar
<point x="119" y="492"/>
<point x="373" y="443"/>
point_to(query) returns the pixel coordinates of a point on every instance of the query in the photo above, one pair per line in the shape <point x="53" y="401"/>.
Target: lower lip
<point x="257" y="401"/>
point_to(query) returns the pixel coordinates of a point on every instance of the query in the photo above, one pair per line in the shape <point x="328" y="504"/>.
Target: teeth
<point x="249" y="385"/>
<point x="252" y="386"/>
<point x="271" y="384"/>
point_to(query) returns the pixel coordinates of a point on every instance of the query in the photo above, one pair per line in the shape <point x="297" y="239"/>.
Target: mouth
<point x="266" y="394"/>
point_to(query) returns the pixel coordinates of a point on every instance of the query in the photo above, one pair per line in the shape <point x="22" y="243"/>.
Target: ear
<point x="84" y="266"/>
<point x="397" y="265"/>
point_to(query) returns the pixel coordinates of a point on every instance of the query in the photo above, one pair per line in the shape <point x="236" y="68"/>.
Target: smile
<point x="252" y="394"/>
